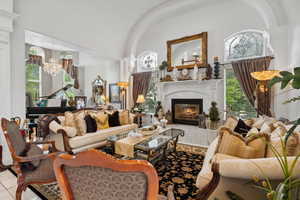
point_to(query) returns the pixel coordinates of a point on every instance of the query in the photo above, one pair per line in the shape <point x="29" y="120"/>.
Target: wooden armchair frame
<point x="18" y="160"/>
<point x="100" y="159"/>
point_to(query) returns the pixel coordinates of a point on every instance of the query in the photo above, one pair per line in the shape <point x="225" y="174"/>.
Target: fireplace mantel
<point x="208" y="90"/>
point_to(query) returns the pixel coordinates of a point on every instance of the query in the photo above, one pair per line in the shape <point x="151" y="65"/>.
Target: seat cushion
<point x="43" y="173"/>
<point x="98" y="136"/>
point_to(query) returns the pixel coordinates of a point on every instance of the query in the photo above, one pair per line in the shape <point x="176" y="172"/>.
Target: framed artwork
<point x="114" y="93"/>
<point x="80" y="102"/>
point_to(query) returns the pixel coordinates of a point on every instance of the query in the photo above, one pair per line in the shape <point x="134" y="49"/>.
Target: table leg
<point x="175" y="144"/>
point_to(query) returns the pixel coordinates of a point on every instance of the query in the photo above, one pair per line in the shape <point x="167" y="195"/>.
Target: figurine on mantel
<point x="208" y="72"/>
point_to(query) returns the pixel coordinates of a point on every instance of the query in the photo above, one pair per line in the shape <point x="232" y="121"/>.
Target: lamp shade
<point x="123" y="84"/>
<point x="140" y="99"/>
<point x="265" y="75"/>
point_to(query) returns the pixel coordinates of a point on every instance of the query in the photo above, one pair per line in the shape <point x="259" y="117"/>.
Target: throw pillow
<point x="91" y="125"/>
<point x="231" y="122"/>
<point x="69" y="120"/>
<point x="80" y="124"/>
<point x="253" y="131"/>
<point x="258" y="123"/>
<point x="242" y="128"/>
<point x="276" y="145"/>
<point x="113" y="119"/>
<point x="278" y="132"/>
<point x="124" y="117"/>
<point x="101" y="120"/>
<point x="266" y="129"/>
<point x="233" y="144"/>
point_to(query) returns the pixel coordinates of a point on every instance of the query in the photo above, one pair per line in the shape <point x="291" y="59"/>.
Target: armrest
<point x="34" y="158"/>
<point x="261" y="168"/>
<point x="65" y="140"/>
<point x="46" y="142"/>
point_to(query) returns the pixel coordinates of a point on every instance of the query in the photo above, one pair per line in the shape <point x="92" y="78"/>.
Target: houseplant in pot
<point x="214" y="115"/>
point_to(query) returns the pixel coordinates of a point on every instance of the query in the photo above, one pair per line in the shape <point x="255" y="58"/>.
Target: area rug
<point x="179" y="168"/>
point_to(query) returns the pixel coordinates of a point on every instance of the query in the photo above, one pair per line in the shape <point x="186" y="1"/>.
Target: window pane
<point x="244" y="45"/>
<point x="32" y="72"/>
<point x="236" y="101"/>
<point x="33" y="89"/>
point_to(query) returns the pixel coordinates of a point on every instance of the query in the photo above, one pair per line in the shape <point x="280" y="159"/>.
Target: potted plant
<point x="214" y="115"/>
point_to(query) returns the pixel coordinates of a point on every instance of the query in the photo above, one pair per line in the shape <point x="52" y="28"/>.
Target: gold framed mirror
<point x="184" y="53"/>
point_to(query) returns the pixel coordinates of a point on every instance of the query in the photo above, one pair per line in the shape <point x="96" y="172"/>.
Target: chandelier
<point x="52" y="67"/>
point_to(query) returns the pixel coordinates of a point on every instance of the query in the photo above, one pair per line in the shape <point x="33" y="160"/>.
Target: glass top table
<point x="154" y="146"/>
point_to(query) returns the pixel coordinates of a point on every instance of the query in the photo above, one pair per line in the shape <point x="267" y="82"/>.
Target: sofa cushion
<point x="91" y="125"/>
<point x="231" y="123"/>
<point x="242" y="127"/>
<point x="124" y="117"/>
<point x="233" y="144"/>
<point x="113" y="119"/>
<point x="100" y="135"/>
<point x="291" y="146"/>
<point x="101" y="120"/>
<point x="80" y="123"/>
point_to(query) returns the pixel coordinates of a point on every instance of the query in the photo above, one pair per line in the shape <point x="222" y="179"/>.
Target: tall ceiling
<point x="105" y="26"/>
<point x="99" y="25"/>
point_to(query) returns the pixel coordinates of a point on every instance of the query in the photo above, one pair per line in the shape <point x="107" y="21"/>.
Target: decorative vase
<point x="195" y="73"/>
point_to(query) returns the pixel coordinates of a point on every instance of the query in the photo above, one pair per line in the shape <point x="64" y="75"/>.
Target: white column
<point x="6" y="28"/>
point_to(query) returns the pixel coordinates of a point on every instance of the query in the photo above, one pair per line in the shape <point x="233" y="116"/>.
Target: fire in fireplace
<point x="186" y="111"/>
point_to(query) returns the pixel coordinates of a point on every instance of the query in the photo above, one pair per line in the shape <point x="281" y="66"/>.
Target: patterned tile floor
<point x="8" y="186"/>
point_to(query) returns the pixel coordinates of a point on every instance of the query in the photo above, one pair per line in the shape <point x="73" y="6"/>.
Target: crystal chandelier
<point x="52" y="67"/>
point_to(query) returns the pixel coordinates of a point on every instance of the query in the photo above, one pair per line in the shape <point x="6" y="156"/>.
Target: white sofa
<point x="76" y="144"/>
<point x="236" y="174"/>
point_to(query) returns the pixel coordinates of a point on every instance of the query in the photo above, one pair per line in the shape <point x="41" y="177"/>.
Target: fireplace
<point x="186" y="111"/>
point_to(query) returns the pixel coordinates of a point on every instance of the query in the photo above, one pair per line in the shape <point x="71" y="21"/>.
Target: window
<point x="34" y="75"/>
<point x="242" y="45"/>
<point x="147" y="61"/>
<point x="247" y="44"/>
<point x="237" y="103"/>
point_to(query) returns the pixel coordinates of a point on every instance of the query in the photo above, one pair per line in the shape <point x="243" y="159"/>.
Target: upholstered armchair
<point x="29" y="162"/>
<point x="97" y="176"/>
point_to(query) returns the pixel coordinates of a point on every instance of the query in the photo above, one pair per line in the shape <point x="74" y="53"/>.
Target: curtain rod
<point x="229" y="63"/>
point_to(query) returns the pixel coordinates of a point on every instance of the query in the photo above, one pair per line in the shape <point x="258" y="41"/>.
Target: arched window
<point x="147" y="61"/>
<point x="247" y="44"/>
<point x="242" y="45"/>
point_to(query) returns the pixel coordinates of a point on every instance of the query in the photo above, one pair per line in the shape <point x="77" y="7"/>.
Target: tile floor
<point x="8" y="186"/>
<point x="193" y="136"/>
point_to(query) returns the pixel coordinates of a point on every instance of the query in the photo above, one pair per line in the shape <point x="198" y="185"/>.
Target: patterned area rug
<point x="179" y="168"/>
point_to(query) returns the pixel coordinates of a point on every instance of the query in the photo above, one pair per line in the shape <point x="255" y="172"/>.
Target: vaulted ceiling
<point x="109" y="27"/>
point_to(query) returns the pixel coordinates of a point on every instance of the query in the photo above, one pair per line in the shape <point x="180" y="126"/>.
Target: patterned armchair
<point x="29" y="162"/>
<point x="95" y="175"/>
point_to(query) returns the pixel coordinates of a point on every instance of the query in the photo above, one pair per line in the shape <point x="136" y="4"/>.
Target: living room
<point x="161" y="99"/>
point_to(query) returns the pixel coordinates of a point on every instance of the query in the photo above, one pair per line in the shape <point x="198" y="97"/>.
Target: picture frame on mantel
<point x="183" y="52"/>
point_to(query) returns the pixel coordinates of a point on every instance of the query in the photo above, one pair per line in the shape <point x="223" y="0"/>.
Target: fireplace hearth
<point x="186" y="111"/>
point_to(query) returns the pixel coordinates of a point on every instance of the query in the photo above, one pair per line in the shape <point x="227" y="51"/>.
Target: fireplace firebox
<point x="186" y="111"/>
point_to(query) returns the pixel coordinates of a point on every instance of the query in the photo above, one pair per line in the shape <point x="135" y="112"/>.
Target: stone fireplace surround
<point x="208" y="90"/>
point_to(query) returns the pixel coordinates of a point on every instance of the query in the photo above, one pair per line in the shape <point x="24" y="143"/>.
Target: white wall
<point x="220" y="20"/>
<point x="109" y="70"/>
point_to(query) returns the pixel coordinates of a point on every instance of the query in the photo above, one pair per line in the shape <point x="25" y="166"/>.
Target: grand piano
<point x="33" y="112"/>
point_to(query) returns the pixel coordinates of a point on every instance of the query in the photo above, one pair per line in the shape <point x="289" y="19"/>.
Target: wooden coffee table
<point x="153" y="148"/>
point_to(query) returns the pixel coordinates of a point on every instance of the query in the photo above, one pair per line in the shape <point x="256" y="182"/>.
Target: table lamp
<point x="263" y="77"/>
<point x="140" y="100"/>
